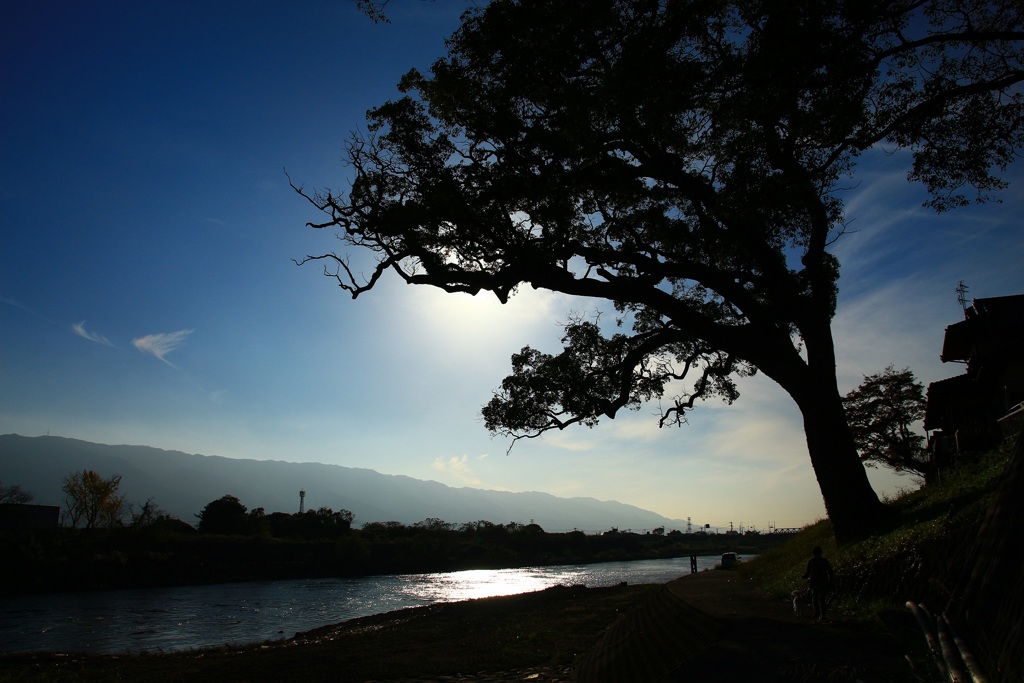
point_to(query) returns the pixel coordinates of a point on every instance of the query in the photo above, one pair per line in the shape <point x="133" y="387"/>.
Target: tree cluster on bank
<point x="235" y="544"/>
<point x="227" y="515"/>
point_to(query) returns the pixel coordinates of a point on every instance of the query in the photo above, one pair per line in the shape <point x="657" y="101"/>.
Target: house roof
<point x="1000" y="315"/>
<point x="1009" y="307"/>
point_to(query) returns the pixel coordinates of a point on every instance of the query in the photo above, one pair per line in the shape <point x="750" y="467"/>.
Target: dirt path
<point x="716" y="626"/>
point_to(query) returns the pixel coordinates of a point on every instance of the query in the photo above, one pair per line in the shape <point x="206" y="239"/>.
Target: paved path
<point x="715" y="626"/>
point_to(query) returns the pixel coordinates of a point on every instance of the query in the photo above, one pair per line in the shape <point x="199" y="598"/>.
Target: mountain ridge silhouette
<point x="181" y="484"/>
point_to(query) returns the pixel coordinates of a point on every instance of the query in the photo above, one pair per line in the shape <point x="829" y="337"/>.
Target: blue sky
<point x="148" y="294"/>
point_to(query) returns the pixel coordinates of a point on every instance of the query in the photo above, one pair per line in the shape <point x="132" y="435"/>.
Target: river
<point x="186" y="617"/>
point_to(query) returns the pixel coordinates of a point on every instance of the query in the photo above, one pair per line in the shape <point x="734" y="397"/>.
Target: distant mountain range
<point x="181" y="484"/>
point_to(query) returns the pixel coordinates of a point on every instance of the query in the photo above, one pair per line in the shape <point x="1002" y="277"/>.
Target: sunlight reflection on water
<point x="203" y="616"/>
<point x="481" y="583"/>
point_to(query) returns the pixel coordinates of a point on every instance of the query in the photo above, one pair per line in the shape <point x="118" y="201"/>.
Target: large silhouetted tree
<point x="683" y="161"/>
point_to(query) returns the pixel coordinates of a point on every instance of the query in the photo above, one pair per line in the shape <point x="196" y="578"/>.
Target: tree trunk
<point x="853" y="506"/>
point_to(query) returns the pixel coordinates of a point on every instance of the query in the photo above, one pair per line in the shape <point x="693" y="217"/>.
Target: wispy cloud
<point x="14" y="302"/>
<point x="159" y="345"/>
<point x="79" y="329"/>
<point x="459" y="468"/>
<point x="22" y="307"/>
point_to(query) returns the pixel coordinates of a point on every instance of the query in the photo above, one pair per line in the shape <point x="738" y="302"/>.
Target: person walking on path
<point x="819" y="573"/>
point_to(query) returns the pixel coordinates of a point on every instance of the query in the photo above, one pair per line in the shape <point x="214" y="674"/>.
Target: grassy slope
<point x="918" y="556"/>
<point x="921" y="556"/>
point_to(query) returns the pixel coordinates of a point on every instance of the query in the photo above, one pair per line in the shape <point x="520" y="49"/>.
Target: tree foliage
<point x="682" y="161"/>
<point x="882" y="412"/>
<point x="226" y="515"/>
<point x="13" y="493"/>
<point x="320" y="523"/>
<point x="146" y="514"/>
<point x="92" y="502"/>
<point x="375" y="10"/>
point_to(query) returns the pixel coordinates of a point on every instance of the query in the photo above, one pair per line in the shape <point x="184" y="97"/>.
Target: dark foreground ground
<point x="711" y="627"/>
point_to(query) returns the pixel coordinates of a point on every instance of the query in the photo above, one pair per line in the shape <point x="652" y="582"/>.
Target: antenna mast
<point x="961" y="294"/>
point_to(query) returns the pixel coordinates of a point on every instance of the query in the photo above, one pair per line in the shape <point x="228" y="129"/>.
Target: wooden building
<point x="976" y="410"/>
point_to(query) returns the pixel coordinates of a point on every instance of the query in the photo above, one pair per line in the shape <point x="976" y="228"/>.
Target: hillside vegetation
<point x="915" y="557"/>
<point x="929" y="553"/>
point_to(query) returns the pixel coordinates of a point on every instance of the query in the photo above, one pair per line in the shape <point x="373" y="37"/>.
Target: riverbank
<point x="712" y="626"/>
<point x="717" y="625"/>
<point x="170" y="553"/>
<point x="503" y="636"/>
<point x="237" y="614"/>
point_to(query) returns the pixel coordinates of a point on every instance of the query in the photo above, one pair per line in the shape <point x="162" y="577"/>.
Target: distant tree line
<point x="227" y="515"/>
<point x="232" y="543"/>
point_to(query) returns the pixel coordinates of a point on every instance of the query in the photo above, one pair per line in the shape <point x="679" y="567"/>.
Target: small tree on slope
<point x="882" y="412"/>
